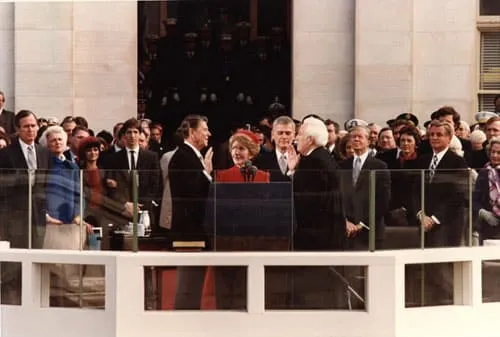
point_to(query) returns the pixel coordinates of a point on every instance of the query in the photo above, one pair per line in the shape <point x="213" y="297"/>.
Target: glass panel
<point x="22" y="203"/>
<point x="491" y="281"/>
<point x="361" y="224"/>
<point x="309" y="288"/>
<point x="11" y="283"/>
<point x="429" y="284"/>
<point x="252" y="215"/>
<point x="402" y="229"/>
<point x="489" y="7"/>
<point x="76" y="286"/>
<point x="445" y="217"/>
<point x="195" y="288"/>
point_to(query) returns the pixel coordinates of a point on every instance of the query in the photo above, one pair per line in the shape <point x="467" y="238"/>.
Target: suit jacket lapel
<point x="19" y="159"/>
<point x="366" y="166"/>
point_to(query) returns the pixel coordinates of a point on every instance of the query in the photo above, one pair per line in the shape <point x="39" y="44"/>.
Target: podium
<point x="251" y="216"/>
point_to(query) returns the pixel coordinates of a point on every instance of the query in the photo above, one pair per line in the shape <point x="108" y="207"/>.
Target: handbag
<point x="65" y="236"/>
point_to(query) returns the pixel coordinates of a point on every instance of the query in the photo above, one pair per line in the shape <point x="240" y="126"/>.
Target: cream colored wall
<point x="323" y="58"/>
<point x="414" y="55"/>
<point x="7" y="53"/>
<point x="77" y="58"/>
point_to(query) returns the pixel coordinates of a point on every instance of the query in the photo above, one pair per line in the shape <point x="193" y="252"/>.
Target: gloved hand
<point x="176" y="97"/>
<point x="249" y="100"/>
<point x="203" y="98"/>
<point x="213" y="97"/>
<point x="240" y="97"/>
<point x="488" y="217"/>
<point x="164" y="101"/>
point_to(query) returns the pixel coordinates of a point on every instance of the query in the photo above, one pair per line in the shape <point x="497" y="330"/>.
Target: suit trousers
<point x="189" y="287"/>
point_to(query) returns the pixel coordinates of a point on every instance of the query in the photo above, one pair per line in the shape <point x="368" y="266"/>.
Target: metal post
<point x="135" y="200"/>
<point x="471" y="186"/>
<point x="422" y="236"/>
<point x="372" y="196"/>
<point x="31" y="180"/>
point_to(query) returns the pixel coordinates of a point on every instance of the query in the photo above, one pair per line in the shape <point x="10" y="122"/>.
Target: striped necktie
<point x="432" y="168"/>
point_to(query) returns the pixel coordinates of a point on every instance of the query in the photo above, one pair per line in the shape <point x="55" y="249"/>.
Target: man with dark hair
<point x="333" y="133"/>
<point x="22" y="190"/>
<point x="6" y="117"/>
<point x="68" y="124"/>
<point x="448" y="115"/>
<point x="190" y="179"/>
<point x="442" y="208"/>
<point x="131" y="158"/>
<point x="78" y="134"/>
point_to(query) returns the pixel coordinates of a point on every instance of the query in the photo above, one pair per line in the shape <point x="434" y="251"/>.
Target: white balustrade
<point x="124" y="314"/>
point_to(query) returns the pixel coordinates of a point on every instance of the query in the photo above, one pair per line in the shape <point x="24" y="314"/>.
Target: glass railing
<point x="305" y="211"/>
<point x="237" y="211"/>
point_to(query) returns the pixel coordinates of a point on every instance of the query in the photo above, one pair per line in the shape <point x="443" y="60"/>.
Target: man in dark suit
<point x="442" y="211"/>
<point x="356" y="192"/>
<point x="6" y="117"/>
<point x="120" y="166"/>
<point x="319" y="215"/>
<point x="15" y="161"/>
<point x="355" y="186"/>
<point x="333" y="133"/>
<point x="276" y="161"/>
<point x="449" y="115"/>
<point x="190" y="179"/>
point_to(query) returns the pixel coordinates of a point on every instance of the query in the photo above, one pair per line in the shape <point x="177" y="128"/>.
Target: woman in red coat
<point x="230" y="289"/>
<point x="244" y="146"/>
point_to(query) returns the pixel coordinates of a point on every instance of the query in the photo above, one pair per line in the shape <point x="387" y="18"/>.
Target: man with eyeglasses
<point x="6" y="117"/>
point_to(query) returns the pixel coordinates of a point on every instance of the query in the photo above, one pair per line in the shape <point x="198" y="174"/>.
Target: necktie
<point x="132" y="160"/>
<point x="283" y="164"/>
<point x="356" y="170"/>
<point x="31" y="158"/>
<point x="432" y="168"/>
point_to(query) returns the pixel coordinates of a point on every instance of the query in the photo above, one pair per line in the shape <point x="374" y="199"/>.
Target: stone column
<point x="384" y="52"/>
<point x="416" y="61"/>
<point x="7" y="53"/>
<point x="445" y="56"/>
<point x="75" y="58"/>
<point x="323" y="58"/>
<point x="105" y="61"/>
<point x="44" y="57"/>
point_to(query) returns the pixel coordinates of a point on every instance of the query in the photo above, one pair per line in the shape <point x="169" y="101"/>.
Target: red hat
<point x="253" y="137"/>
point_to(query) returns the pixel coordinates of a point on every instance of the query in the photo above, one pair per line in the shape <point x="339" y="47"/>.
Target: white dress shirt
<point x="198" y="154"/>
<point x="129" y="157"/>
<point x="362" y="158"/>
<point x="440" y="156"/>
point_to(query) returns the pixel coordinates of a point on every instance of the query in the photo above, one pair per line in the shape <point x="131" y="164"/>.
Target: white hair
<point x="477" y="136"/>
<point x="317" y="130"/>
<point x="456" y="146"/>
<point x="50" y="131"/>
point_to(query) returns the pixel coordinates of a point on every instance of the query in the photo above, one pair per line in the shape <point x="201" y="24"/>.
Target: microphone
<point x="252" y="171"/>
<point x="244" y="173"/>
<point x="247" y="166"/>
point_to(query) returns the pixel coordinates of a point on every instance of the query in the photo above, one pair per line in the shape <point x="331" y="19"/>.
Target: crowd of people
<point x="331" y="171"/>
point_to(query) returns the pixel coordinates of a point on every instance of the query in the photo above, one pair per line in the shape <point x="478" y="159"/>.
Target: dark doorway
<point x="229" y="60"/>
